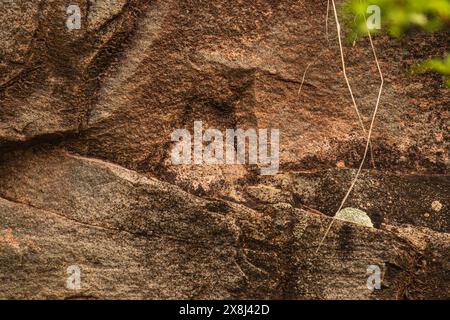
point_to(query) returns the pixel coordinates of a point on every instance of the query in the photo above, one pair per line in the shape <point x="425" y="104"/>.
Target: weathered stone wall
<point x="86" y="118"/>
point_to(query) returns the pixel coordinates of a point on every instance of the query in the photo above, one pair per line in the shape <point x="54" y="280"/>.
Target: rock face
<point x="137" y="237"/>
<point x="86" y="177"/>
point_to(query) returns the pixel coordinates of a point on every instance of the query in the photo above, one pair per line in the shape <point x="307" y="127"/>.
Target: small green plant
<point x="441" y="66"/>
<point x="399" y="17"/>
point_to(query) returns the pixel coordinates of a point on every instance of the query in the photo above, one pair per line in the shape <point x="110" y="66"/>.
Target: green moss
<point x="399" y="17"/>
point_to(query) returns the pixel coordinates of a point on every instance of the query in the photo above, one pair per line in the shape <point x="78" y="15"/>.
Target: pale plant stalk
<point x="344" y="71"/>
<point x="306" y="70"/>
<point x="344" y="67"/>
<point x="317" y="58"/>
<point x="355" y="179"/>
<point x="326" y="21"/>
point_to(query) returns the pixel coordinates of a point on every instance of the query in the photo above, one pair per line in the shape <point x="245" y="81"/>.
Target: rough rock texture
<point x="393" y="198"/>
<point x="59" y="210"/>
<point x="86" y="178"/>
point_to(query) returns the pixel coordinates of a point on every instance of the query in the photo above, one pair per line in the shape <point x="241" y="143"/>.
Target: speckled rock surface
<point x="137" y="237"/>
<point x="86" y="118"/>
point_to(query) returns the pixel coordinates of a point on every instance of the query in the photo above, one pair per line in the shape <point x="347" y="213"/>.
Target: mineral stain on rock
<point x="355" y="216"/>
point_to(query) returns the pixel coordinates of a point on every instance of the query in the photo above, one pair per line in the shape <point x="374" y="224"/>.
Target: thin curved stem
<point x="366" y="150"/>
